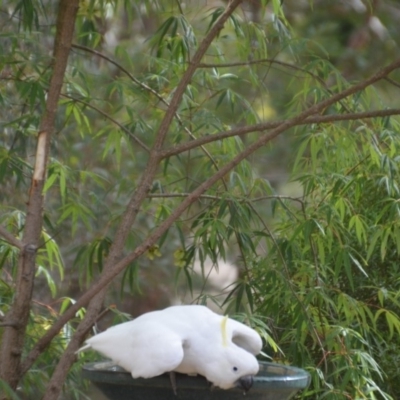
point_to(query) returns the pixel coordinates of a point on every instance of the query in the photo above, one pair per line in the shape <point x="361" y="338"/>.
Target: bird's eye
<point x="235" y="369"/>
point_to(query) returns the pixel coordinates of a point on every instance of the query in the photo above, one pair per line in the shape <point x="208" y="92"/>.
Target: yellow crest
<point x="224" y="332"/>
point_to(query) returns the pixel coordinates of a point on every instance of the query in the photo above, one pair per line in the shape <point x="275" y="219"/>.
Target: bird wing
<point x="145" y="348"/>
<point x="245" y="337"/>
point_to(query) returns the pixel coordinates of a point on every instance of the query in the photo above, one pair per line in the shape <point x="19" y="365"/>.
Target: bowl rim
<point x="281" y="376"/>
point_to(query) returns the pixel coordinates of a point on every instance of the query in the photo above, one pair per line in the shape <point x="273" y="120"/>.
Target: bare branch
<point x="315" y="119"/>
<point x="10" y="238"/>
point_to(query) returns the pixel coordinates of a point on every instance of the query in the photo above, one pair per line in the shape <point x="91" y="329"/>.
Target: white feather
<point x="187" y="339"/>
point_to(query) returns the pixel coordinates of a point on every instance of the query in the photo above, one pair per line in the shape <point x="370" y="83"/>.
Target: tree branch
<point x="10" y="323"/>
<point x="110" y="273"/>
<point x="262" y="61"/>
<point x="213" y="197"/>
<point x="10" y="238"/>
<point x="315" y="119"/>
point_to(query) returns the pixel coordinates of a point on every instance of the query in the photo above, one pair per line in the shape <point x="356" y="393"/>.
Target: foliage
<point x="329" y="278"/>
<point x="318" y="271"/>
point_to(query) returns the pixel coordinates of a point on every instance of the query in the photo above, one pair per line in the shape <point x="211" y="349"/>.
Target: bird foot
<point x="172" y="378"/>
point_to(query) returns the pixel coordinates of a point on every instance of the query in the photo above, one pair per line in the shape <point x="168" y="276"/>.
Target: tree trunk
<point x="16" y="319"/>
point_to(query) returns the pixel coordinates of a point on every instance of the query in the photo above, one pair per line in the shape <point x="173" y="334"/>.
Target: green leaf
<point x="50" y="282"/>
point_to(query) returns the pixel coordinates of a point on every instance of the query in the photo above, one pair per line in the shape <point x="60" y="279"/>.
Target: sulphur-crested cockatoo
<point x="189" y="339"/>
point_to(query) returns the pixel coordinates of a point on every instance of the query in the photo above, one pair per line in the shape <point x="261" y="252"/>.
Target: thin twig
<point x="109" y="117"/>
<point x="393" y="82"/>
<point x="261" y="61"/>
<point x="124" y="70"/>
<point x="273" y="61"/>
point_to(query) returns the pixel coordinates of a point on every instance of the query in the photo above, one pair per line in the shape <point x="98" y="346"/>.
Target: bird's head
<point x="233" y="367"/>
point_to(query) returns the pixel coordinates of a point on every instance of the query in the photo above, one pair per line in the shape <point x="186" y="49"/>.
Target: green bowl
<point x="273" y="382"/>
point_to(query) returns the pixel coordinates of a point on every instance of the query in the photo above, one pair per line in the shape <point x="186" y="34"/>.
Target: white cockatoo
<point x="190" y="339"/>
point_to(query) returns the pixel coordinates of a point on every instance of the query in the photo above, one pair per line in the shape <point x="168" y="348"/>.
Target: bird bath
<point x="273" y="382"/>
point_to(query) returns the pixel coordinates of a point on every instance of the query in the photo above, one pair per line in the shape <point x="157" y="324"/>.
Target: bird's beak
<point x="245" y="382"/>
